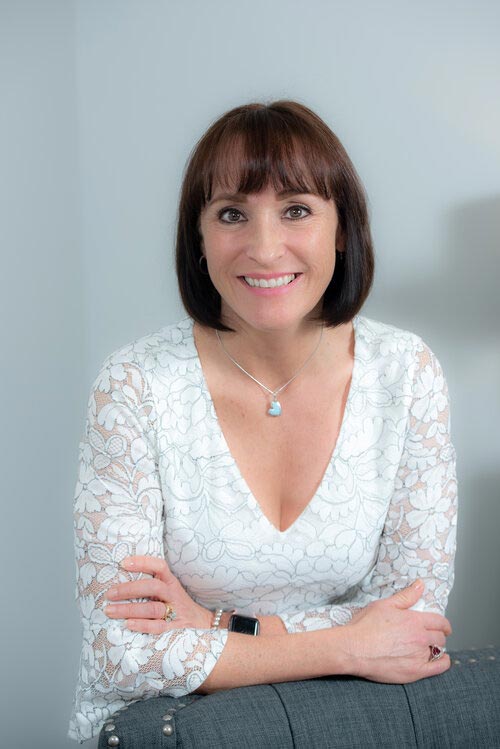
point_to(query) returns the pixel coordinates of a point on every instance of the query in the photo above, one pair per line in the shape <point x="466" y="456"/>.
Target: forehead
<point x="241" y="167"/>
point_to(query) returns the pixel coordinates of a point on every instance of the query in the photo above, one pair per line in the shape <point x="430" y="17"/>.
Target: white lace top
<point x="156" y="477"/>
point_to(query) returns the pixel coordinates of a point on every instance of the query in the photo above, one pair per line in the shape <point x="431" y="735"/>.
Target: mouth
<point x="270" y="283"/>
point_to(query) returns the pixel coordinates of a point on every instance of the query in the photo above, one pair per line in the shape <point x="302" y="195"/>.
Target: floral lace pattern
<point x="156" y="477"/>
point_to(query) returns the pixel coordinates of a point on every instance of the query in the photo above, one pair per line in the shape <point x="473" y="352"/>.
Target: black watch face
<point x="247" y="625"/>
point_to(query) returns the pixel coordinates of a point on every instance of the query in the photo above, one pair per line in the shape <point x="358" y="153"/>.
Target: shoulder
<point x="171" y="340"/>
<point x="387" y="338"/>
<point x="167" y="350"/>
<point x="393" y="342"/>
<point x="398" y="354"/>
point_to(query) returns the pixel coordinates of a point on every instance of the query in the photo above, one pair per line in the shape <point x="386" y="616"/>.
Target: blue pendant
<point x="275" y="409"/>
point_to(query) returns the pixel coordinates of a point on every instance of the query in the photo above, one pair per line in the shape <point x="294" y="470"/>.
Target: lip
<point x="267" y="276"/>
<point x="272" y="291"/>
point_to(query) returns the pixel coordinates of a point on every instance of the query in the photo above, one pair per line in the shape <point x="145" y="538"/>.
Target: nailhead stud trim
<point x="458" y="662"/>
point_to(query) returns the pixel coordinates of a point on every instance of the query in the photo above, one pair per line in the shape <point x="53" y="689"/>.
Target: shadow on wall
<point x="470" y="309"/>
<point x="460" y="304"/>
<point x="464" y="288"/>
<point x="473" y="246"/>
<point x="473" y="300"/>
<point x="476" y="619"/>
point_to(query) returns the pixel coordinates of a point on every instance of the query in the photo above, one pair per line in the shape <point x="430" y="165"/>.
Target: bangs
<point x="261" y="148"/>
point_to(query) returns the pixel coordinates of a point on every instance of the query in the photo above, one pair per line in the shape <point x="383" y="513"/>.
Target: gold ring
<point x="169" y="613"/>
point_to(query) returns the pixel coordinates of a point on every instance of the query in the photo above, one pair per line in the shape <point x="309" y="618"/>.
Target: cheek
<point x="322" y="238"/>
<point x="324" y="252"/>
<point x="220" y="252"/>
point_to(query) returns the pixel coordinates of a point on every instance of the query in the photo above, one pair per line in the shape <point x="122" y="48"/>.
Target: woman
<point x="273" y="465"/>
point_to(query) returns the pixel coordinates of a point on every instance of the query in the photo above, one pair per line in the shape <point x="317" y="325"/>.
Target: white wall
<point x="43" y="357"/>
<point x="101" y="103"/>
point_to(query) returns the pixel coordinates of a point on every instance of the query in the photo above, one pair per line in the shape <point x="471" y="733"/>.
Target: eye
<point x="298" y="208"/>
<point x="299" y="211"/>
<point x="233" y="212"/>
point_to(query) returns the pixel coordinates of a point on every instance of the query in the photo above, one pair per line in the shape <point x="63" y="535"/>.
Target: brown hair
<point x="288" y="145"/>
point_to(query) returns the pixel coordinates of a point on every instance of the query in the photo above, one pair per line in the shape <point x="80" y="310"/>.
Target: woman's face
<point x="275" y="237"/>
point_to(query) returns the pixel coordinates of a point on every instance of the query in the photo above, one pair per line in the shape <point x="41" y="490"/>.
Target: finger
<point x="149" y="626"/>
<point x="436" y="637"/>
<point x="439" y="666"/>
<point x="149" y="564"/>
<point x="145" y="588"/>
<point x="149" y="610"/>
<point x="436" y="621"/>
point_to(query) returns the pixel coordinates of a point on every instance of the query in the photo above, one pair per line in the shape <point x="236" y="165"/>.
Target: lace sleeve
<point x="118" y="511"/>
<point x="419" y="535"/>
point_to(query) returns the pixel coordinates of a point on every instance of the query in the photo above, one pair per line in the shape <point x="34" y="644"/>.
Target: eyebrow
<point x="242" y="197"/>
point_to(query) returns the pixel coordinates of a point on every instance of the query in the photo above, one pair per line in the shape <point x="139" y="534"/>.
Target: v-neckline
<point x="234" y="465"/>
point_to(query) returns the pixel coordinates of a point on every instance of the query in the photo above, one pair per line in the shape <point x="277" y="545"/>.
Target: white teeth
<point x="269" y="284"/>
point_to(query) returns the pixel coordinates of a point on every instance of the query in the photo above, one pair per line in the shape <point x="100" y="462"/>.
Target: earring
<point x="340" y="255"/>
<point x="204" y="272"/>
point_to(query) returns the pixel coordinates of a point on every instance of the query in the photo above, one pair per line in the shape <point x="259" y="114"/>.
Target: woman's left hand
<point x="163" y="588"/>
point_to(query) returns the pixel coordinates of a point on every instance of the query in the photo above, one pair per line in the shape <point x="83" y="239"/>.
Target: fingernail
<point x="417" y="584"/>
<point x="128" y="564"/>
<point x="111" y="593"/>
<point x="109" y="609"/>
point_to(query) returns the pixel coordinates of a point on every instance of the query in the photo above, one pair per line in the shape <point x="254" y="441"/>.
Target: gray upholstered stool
<point x="460" y="708"/>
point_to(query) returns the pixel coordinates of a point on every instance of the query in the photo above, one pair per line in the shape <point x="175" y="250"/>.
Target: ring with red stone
<point x="436" y="652"/>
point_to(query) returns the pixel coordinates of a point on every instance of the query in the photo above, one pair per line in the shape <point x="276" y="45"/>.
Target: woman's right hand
<point x="388" y="643"/>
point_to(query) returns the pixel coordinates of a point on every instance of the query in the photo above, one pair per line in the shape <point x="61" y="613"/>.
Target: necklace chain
<point x="274" y="393"/>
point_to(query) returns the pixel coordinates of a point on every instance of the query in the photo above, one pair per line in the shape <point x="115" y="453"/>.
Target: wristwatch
<point x="247" y="625"/>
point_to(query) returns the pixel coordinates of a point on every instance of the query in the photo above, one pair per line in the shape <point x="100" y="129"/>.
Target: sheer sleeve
<point x="118" y="511"/>
<point x="419" y="535"/>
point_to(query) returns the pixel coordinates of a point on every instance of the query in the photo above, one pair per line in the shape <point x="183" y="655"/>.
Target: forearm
<point x="266" y="659"/>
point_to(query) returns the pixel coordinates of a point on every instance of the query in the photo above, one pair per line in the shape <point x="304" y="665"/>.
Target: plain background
<point x="101" y="102"/>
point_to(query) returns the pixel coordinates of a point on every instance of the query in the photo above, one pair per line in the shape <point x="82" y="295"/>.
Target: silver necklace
<point x="275" y="408"/>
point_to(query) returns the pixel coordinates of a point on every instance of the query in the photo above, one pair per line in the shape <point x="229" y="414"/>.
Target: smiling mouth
<point x="270" y="283"/>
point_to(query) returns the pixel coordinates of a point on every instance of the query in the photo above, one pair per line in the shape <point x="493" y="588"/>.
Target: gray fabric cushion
<point x="460" y="708"/>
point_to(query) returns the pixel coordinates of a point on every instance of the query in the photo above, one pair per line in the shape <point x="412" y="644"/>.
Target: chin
<point x="272" y="323"/>
<point x="268" y="318"/>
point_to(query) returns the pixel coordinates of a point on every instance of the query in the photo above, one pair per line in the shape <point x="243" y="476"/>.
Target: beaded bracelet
<point x="217" y="617"/>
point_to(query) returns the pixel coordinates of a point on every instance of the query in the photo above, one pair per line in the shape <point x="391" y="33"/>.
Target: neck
<point x="274" y="355"/>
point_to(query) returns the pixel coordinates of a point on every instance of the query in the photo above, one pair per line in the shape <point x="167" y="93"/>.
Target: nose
<point x="265" y="245"/>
